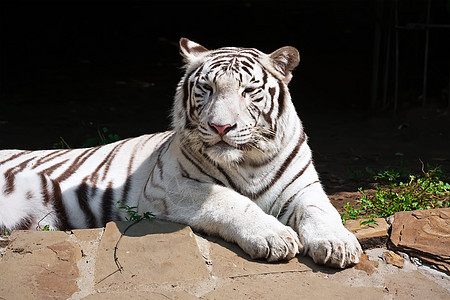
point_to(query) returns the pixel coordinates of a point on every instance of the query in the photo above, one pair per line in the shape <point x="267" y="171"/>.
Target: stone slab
<point x="290" y="286"/>
<point x="39" y="265"/>
<point x="369" y="235"/>
<point x="229" y="260"/>
<point x="87" y="235"/>
<point x="424" y="234"/>
<point x="148" y="255"/>
<point x="414" y="285"/>
<point x="153" y="295"/>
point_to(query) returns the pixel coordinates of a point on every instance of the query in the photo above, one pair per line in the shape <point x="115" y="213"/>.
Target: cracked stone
<point x="147" y="243"/>
<point x="424" y="234"/>
<point x="49" y="261"/>
<point x="229" y="260"/>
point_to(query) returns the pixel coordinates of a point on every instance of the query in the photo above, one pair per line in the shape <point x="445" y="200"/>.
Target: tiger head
<point x="232" y="104"/>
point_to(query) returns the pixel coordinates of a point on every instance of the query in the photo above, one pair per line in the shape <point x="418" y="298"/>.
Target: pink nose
<point x="221" y="129"/>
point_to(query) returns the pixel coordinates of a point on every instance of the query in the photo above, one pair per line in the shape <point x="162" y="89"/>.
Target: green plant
<point x="424" y="191"/>
<point x="133" y="214"/>
<point x="62" y="144"/>
<point x="102" y="138"/>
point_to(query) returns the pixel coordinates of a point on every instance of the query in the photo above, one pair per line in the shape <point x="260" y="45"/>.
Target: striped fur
<point x="237" y="164"/>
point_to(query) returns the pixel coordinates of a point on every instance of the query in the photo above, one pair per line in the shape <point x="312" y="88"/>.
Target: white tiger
<point x="236" y="164"/>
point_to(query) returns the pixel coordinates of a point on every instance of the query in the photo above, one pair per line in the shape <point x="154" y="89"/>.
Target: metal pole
<point x="387" y="59"/>
<point x="376" y="52"/>
<point x="425" y="67"/>
<point x="396" y="57"/>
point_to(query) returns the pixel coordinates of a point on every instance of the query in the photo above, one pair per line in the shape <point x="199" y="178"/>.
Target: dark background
<point x="69" y="68"/>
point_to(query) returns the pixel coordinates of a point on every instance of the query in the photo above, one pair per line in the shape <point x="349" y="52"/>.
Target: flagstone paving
<point x="160" y="260"/>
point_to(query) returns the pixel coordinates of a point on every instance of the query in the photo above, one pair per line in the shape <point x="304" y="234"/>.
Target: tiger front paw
<point x="272" y="242"/>
<point x="332" y="246"/>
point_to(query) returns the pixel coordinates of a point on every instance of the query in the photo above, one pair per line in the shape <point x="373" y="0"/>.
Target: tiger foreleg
<point x="321" y="231"/>
<point x="220" y="211"/>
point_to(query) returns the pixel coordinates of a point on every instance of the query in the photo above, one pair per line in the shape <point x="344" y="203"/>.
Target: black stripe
<point x="281" y="99"/>
<point x="76" y="164"/>
<point x="10" y="184"/>
<point x="49" y="171"/>
<point x="127" y="184"/>
<point x="300" y="173"/>
<point x="108" y="204"/>
<point x="44" y="188"/>
<point x="82" y="195"/>
<point x="159" y="162"/>
<point x="49" y="157"/>
<point x="14" y="157"/>
<point x="58" y="206"/>
<point x="246" y="70"/>
<point x="230" y="181"/>
<point x="200" y="169"/>
<point x="113" y="156"/>
<point x="286" y="205"/>
<point x="185" y="173"/>
<point x="246" y="64"/>
<point x="20" y="167"/>
<point x="106" y="162"/>
<point x="283" y="167"/>
<point x="187" y="89"/>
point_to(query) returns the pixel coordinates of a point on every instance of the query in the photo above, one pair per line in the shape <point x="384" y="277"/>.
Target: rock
<point x="424" y="234"/>
<point x="369" y="235"/>
<point x="413" y="285"/>
<point x="149" y="252"/>
<point x="4" y="242"/>
<point x="290" y="286"/>
<point x="39" y="265"/>
<point x="228" y="260"/>
<point x="366" y="265"/>
<point x="394" y="259"/>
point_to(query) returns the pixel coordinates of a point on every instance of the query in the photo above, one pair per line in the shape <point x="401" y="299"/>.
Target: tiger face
<point x="231" y="101"/>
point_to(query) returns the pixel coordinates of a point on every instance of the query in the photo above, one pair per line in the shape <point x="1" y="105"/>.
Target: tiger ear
<point x="191" y="50"/>
<point x="284" y="60"/>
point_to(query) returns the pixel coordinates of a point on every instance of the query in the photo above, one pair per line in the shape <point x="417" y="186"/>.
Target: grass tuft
<point x="423" y="191"/>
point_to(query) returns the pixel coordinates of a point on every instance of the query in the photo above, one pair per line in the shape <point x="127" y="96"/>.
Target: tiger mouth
<point x="222" y="145"/>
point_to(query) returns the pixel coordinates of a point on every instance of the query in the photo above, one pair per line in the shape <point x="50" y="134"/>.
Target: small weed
<point x="424" y="191"/>
<point x="133" y="215"/>
<point x="62" y="144"/>
<point x="47" y="226"/>
<point x="102" y="138"/>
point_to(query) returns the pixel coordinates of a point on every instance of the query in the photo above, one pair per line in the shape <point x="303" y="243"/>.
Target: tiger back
<point x="236" y="164"/>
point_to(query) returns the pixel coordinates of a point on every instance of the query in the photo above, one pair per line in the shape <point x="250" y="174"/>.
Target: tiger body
<point x="236" y="164"/>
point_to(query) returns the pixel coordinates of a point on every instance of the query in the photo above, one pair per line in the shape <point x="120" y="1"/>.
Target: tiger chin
<point x="236" y="164"/>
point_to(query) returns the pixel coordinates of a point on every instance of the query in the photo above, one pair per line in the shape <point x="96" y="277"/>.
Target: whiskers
<point x="260" y="138"/>
<point x="250" y="143"/>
